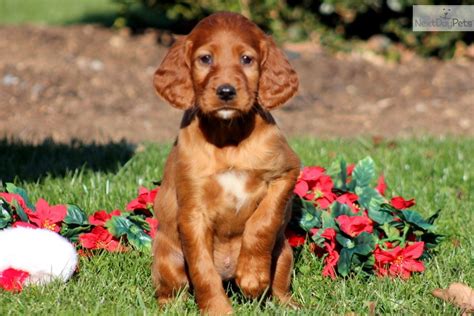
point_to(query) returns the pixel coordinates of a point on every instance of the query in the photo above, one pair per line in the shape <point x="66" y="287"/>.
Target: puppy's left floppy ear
<point x="278" y="80"/>
<point x="173" y="78"/>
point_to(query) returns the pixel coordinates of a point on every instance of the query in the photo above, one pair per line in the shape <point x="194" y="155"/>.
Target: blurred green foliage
<point x="332" y="22"/>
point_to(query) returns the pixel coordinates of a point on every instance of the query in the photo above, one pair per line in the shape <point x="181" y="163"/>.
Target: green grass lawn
<point x="438" y="173"/>
<point x="56" y="11"/>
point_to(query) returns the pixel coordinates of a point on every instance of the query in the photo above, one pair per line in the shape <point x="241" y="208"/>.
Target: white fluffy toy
<point x="44" y="254"/>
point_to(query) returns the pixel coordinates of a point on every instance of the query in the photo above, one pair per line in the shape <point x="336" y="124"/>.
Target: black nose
<point x="226" y="92"/>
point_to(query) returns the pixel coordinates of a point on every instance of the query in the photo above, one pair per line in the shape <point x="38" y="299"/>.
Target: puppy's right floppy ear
<point x="172" y="79"/>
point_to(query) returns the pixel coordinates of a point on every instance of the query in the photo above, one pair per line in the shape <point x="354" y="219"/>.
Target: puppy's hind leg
<point x="168" y="269"/>
<point x="282" y="269"/>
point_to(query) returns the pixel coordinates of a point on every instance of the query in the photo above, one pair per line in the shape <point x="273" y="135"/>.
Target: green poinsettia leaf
<point x="376" y="201"/>
<point x="365" y="244"/>
<point x="338" y="173"/>
<point x="118" y="225"/>
<point x="363" y="263"/>
<point x="139" y="220"/>
<point x="75" y="216"/>
<point x="72" y="232"/>
<point x="343" y="174"/>
<point x="390" y="231"/>
<point x="380" y="216"/>
<point x="317" y="239"/>
<point x="139" y="239"/>
<point x="369" y="198"/>
<point x="310" y="216"/>
<point x="344" y="262"/>
<point x="431" y="240"/>
<point x="309" y="221"/>
<point x="338" y="209"/>
<point x="328" y="221"/>
<point x="5" y="217"/>
<point x="11" y="188"/>
<point x="433" y="217"/>
<point x="364" y="172"/>
<point x="20" y="211"/>
<point x="417" y="220"/>
<point x="344" y="241"/>
<point x="389" y="208"/>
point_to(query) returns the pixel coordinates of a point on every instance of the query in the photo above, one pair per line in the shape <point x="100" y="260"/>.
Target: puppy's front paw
<point x="217" y="307"/>
<point x="288" y="301"/>
<point x="253" y="275"/>
<point x="164" y="300"/>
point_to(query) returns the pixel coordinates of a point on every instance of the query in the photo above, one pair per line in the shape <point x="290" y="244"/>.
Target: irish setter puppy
<point x="224" y="201"/>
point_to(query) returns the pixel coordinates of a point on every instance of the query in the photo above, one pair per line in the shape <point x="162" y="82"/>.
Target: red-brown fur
<point x="225" y="197"/>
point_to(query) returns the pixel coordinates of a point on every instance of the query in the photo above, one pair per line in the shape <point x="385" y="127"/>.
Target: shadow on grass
<point x="105" y="19"/>
<point x="28" y="162"/>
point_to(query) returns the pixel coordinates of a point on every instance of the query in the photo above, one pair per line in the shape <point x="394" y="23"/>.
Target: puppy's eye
<point x="246" y="60"/>
<point x="205" y="59"/>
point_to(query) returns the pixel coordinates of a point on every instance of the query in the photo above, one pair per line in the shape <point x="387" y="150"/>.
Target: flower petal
<point x="400" y="203"/>
<point x="24" y="224"/>
<point x="413" y="265"/>
<point x="354" y="225"/>
<point x="153" y="222"/>
<point x="301" y="188"/>
<point x="311" y="173"/>
<point x="381" y="186"/>
<point x="13" y="279"/>
<point x="414" y="250"/>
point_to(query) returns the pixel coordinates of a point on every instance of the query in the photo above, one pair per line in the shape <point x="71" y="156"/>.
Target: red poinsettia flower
<point x="12" y="279"/>
<point x="399" y="261"/>
<point x="24" y="224"/>
<point x="10" y="197"/>
<point x="400" y="203"/>
<point x="153" y="222"/>
<point x="322" y="192"/>
<point x="99" y="218"/>
<point x="350" y="169"/>
<point x="313" y="231"/>
<point x="308" y="174"/>
<point x="355" y="225"/>
<point x="349" y="199"/>
<point x="294" y="239"/>
<point x="301" y="188"/>
<point x="330" y="261"/>
<point x="46" y="216"/>
<point x="99" y="238"/>
<point x="314" y="185"/>
<point x="311" y="173"/>
<point x="381" y="186"/>
<point x="144" y="201"/>
<point x="329" y="233"/>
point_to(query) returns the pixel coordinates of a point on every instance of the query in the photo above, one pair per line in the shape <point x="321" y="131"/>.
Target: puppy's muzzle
<point x="226" y="92"/>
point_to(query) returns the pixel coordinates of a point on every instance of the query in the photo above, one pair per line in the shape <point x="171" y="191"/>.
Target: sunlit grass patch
<point x="437" y="173"/>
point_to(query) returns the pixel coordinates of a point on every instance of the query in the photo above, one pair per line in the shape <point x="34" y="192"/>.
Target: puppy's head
<point x="225" y="66"/>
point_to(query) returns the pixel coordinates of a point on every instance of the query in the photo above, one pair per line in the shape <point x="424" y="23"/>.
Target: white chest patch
<point x="233" y="182"/>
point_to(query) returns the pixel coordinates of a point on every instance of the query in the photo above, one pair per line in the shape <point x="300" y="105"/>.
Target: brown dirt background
<point x="94" y="84"/>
